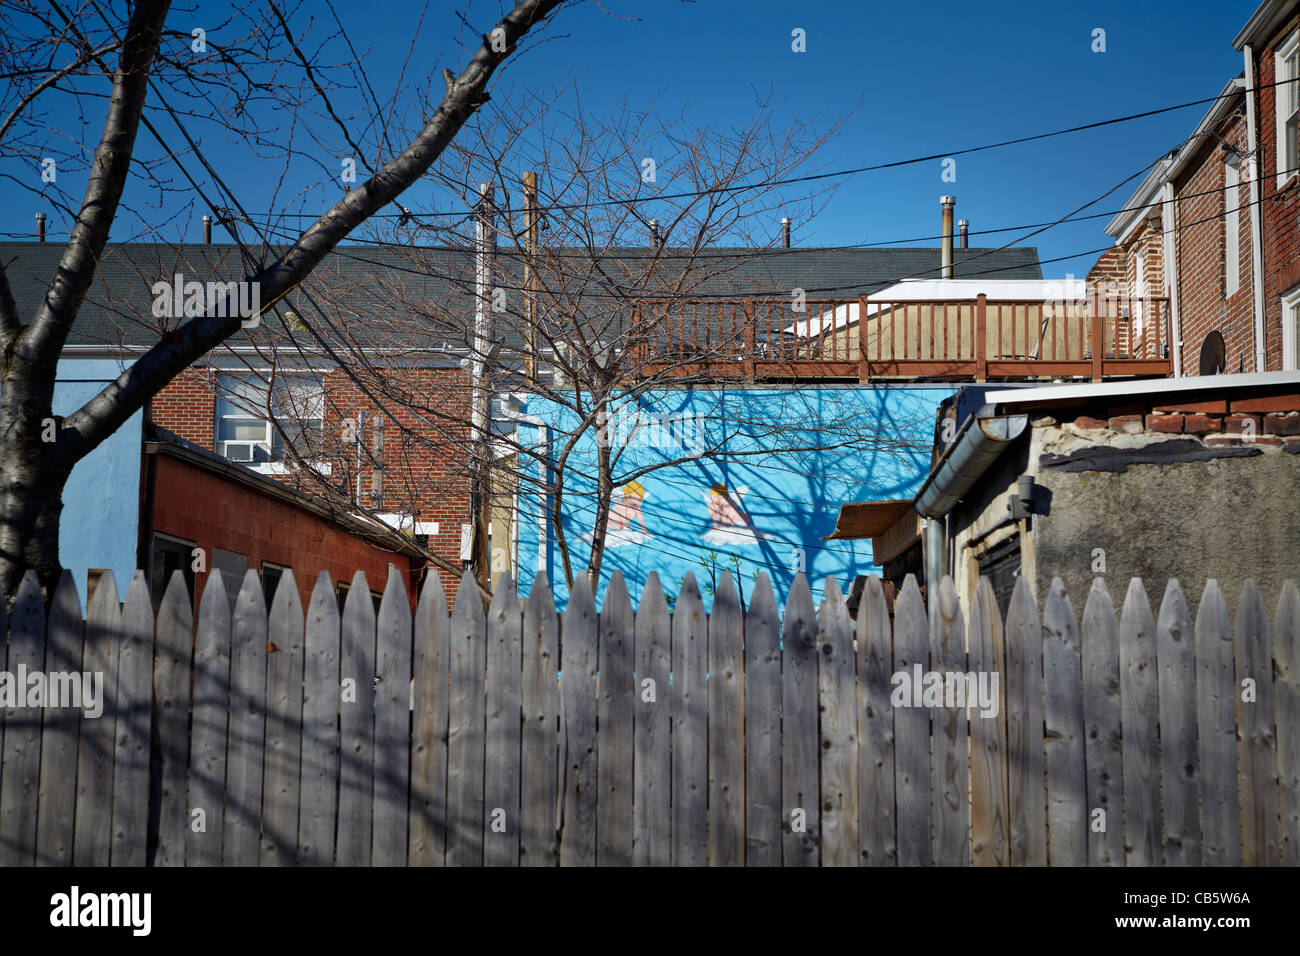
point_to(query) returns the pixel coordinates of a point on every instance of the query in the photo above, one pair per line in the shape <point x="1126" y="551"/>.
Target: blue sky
<point x="914" y="78"/>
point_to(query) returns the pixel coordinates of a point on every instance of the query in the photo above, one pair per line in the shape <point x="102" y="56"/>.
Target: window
<point x="231" y="566"/>
<point x="244" y="434"/>
<point x="1231" y="231"/>
<point x="168" y="556"/>
<point x="1288" y="109"/>
<point x="1290" y="329"/>
<point x="1001" y="565"/>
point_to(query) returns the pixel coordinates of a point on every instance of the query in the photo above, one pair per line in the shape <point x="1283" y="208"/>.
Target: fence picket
<point x="949" y="758"/>
<point x="1026" y="781"/>
<point x="57" y="793"/>
<point x="988" y="744"/>
<point x="726" y="693"/>
<point x="800" y="798"/>
<point x="173" y="646"/>
<point x="1067" y="817"/>
<point x="875" y="730"/>
<point x="465" y="724"/>
<point x="20" y="781"/>
<point x="1139" y="711"/>
<point x="1286" y="661"/>
<point x="690" y="771"/>
<point x="762" y="757"/>
<point x="539" y="759"/>
<point x="281" y="782"/>
<point x="651" y="830"/>
<point x="131" y="749"/>
<point x="1099" y="637"/>
<point x="501" y="773"/>
<point x="614" y="719"/>
<point x="837" y="680"/>
<point x="1216" y="719"/>
<point x="1257" y="753"/>
<point x="578" y="723"/>
<point x="243" y="824"/>
<point x="392" y="723"/>
<point x="93" y="840"/>
<point x="429" y="744"/>
<point x="320" y="727"/>
<point x="211" y="707"/>
<point x="1179" y="761"/>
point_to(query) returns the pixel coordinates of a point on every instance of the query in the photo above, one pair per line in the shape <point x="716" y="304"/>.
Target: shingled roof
<point x="367" y="289"/>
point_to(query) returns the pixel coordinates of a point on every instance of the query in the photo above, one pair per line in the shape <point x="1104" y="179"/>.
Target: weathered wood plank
<point x="20" y="778"/>
<point x="800" y="793"/>
<point x="911" y="728"/>
<point x="1063" y="740"/>
<point x="690" y="752"/>
<point x="949" y="757"/>
<point x="281" y="778"/>
<point x="614" y="716"/>
<point x="131" y="748"/>
<point x="988" y="744"/>
<point x="173" y="649"/>
<point x="243" y="823"/>
<point x="1216" y="719"/>
<point x="726" y="691"/>
<point x="501" y="774"/>
<point x="539" y="759"/>
<point x="652" y="826"/>
<point x="356" y="726"/>
<point x="578" y="687"/>
<point x="211" y="710"/>
<point x="837" y="697"/>
<point x="93" y="841"/>
<point x="1257" y="745"/>
<point x="465" y="726"/>
<point x="429" y="758"/>
<point x="392" y="723"/>
<point x="1139" y="711"/>
<point x="1179" y="761"/>
<point x="875" y="730"/>
<point x="1101" y="715"/>
<point x="1286" y="664"/>
<point x="56" y="820"/>
<point x="1026" y="780"/>
<point x="320" y="727"/>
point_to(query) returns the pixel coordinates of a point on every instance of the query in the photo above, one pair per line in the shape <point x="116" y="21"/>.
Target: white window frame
<point x="266" y="442"/>
<point x="1290" y="329"/>
<point x="1286" y="74"/>
<point x="1231" y="231"/>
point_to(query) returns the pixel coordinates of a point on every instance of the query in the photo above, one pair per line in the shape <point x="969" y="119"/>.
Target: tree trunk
<point x="30" y="506"/>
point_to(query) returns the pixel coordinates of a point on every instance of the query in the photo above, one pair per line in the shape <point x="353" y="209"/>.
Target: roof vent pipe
<point x="40" y="227"/>
<point x="654" y="233"/>
<point x="207" y="230"/>
<point x="785" y="232"/>
<point x="946" y="204"/>
<point x="963" y="231"/>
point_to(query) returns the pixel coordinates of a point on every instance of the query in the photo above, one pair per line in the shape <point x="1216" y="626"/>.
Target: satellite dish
<point x="1214" y="356"/>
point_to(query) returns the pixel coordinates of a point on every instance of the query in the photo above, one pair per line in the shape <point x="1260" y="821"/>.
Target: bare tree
<point x="47" y="53"/>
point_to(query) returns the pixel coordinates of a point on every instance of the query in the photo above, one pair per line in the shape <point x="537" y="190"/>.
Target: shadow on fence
<point x="517" y="735"/>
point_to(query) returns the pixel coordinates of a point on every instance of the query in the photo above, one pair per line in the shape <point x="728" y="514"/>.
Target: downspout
<point x="1169" y="223"/>
<point x="1256" y="214"/>
<point x="979" y="443"/>
<point x="543" y="449"/>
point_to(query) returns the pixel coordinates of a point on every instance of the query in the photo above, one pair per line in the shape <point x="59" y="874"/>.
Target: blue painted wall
<point x="764" y="507"/>
<point x="101" y="501"/>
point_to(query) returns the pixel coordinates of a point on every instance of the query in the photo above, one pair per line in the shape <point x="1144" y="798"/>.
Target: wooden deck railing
<point x="869" y="338"/>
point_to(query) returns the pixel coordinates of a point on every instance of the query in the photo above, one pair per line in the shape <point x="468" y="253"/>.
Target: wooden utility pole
<point x="485" y="243"/>
<point x="530" y="278"/>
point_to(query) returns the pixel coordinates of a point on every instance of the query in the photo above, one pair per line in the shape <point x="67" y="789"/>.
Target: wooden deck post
<point x="981" y="344"/>
<point x="1098" y="337"/>
<point x="864" y="375"/>
<point x="751" y="341"/>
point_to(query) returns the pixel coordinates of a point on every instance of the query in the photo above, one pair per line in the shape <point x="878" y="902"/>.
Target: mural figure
<point x="624" y="513"/>
<point x="730" y="524"/>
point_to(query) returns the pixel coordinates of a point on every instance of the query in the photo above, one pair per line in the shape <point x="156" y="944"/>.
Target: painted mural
<point x="737" y="481"/>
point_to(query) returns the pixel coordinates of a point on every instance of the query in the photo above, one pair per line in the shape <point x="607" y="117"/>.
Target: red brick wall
<point x="215" y="512"/>
<point x="1279" y="209"/>
<point x="186" y="407"/>
<point x="1200" y="201"/>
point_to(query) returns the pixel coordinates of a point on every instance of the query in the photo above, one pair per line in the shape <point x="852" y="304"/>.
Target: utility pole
<point x="530" y="278"/>
<point x="485" y="245"/>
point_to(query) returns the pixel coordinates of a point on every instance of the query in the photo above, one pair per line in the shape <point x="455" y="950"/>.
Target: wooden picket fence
<point x="736" y="738"/>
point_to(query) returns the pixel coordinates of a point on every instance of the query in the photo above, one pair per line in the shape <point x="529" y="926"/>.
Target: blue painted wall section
<point x="101" y="501"/>
<point x="791" y="457"/>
